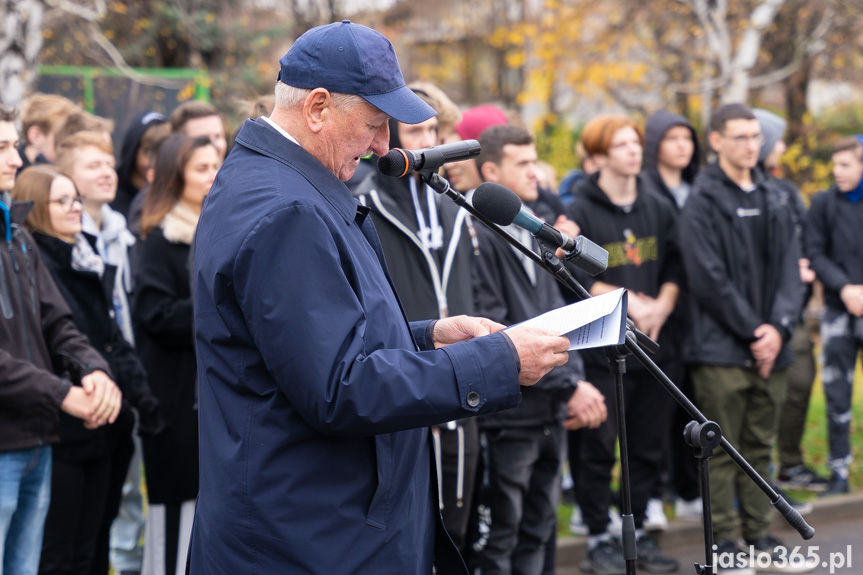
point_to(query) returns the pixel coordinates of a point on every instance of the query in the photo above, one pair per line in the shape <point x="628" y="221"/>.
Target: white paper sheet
<point x="596" y="322"/>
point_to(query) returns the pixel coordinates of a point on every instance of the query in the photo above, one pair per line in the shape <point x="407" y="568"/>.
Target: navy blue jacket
<point x="314" y="398"/>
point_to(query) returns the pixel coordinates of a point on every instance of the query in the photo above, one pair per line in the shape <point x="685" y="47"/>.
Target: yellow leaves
<point x="210" y="18"/>
<point x="515" y="59"/>
<point x="118" y="7"/>
<point x="265" y="69"/>
<point x="47" y="33"/>
<point x="187" y="92"/>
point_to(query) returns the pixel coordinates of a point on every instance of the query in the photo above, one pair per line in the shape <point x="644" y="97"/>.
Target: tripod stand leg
<point x="704" y="438"/>
<point x="617" y="365"/>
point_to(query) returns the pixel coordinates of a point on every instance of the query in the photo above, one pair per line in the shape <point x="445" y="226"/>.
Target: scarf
<point x="85" y="258"/>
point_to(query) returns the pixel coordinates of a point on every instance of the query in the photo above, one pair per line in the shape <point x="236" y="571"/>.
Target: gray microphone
<point x="503" y="207"/>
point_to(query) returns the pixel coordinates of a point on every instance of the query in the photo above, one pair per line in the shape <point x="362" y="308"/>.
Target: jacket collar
<point x="593" y="192"/>
<point x="12" y="214"/>
<point x="264" y="139"/>
<point x="718" y="185"/>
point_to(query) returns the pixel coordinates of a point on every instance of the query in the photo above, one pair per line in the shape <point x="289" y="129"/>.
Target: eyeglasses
<point x="743" y="140"/>
<point x="66" y="202"/>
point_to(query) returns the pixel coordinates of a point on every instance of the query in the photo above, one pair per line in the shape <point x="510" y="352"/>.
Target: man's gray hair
<point x="290" y="96"/>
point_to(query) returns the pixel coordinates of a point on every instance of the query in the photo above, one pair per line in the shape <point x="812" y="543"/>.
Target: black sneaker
<point x="837" y="486"/>
<point x="651" y="559"/>
<point x="801" y="477"/>
<point x="605" y="559"/>
<point x="729" y="559"/>
<point x="771" y="556"/>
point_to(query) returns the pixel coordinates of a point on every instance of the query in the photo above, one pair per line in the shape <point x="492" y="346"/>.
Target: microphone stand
<point x="703" y="435"/>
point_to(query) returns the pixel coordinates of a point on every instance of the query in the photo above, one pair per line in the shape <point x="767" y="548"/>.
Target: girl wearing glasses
<point x="82" y="460"/>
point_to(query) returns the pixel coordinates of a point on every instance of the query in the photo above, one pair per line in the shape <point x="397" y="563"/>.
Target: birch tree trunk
<point x="20" y="45"/>
<point x="747" y="53"/>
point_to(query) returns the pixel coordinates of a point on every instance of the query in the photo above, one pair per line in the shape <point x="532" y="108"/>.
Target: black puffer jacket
<point x="38" y="339"/>
<point x="711" y="238"/>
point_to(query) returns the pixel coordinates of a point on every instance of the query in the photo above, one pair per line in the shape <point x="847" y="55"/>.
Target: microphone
<point x="398" y="162"/>
<point x="503" y="207"/>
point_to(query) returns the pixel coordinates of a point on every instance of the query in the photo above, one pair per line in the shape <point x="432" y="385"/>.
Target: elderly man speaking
<point x="315" y="393"/>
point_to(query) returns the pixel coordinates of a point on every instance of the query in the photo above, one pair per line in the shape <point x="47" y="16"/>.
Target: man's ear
<point x="713" y="139"/>
<point x="317" y="108"/>
<point x="599" y="160"/>
<point x="489" y="172"/>
<point x="35" y="136"/>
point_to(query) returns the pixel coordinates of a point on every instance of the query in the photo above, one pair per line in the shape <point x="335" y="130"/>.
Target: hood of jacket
<point x="131" y="143"/>
<point x="113" y="230"/>
<point x="655" y="129"/>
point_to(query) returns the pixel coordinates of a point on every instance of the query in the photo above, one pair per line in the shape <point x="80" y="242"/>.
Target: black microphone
<point x="503" y="207"/>
<point x="398" y="162"/>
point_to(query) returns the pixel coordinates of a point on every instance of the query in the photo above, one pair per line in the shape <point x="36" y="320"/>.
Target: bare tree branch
<point x="91" y="15"/>
<point x="120" y="62"/>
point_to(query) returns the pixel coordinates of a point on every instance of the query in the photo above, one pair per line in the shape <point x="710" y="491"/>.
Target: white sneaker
<point x="615" y="523"/>
<point x="578" y="527"/>
<point x="576" y="523"/>
<point x="688" y="510"/>
<point x="654" y="516"/>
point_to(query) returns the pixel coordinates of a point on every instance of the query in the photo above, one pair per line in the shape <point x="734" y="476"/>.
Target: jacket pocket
<point x="379" y="509"/>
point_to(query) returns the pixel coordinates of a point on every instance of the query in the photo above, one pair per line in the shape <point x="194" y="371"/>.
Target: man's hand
<point x="78" y="404"/>
<point x="807" y="274"/>
<point x="649" y="314"/>
<point x="852" y="297"/>
<point x="766" y="348"/>
<point x="105" y="396"/>
<point x="568" y="228"/>
<point x="586" y="407"/>
<point x="539" y="352"/>
<point x="462" y="328"/>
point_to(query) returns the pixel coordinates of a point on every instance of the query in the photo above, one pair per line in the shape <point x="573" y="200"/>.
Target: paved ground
<point x="838" y="541"/>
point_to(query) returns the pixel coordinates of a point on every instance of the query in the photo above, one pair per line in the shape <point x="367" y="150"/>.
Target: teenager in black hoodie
<point x="638" y="230"/>
<point x="671" y="157"/>
<point x="134" y="158"/>
<point x="430" y="244"/>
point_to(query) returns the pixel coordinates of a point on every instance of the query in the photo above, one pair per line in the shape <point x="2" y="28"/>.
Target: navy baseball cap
<point x="350" y="58"/>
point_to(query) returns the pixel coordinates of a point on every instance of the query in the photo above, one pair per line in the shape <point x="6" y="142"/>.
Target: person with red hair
<point x="637" y="229"/>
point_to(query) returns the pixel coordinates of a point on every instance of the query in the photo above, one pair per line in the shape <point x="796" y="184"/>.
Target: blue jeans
<point x="25" y="492"/>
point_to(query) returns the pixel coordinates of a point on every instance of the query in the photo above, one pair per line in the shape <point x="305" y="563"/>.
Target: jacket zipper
<point x="15" y="270"/>
<point x="443" y="308"/>
<point x="5" y="297"/>
<point x="31" y="276"/>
